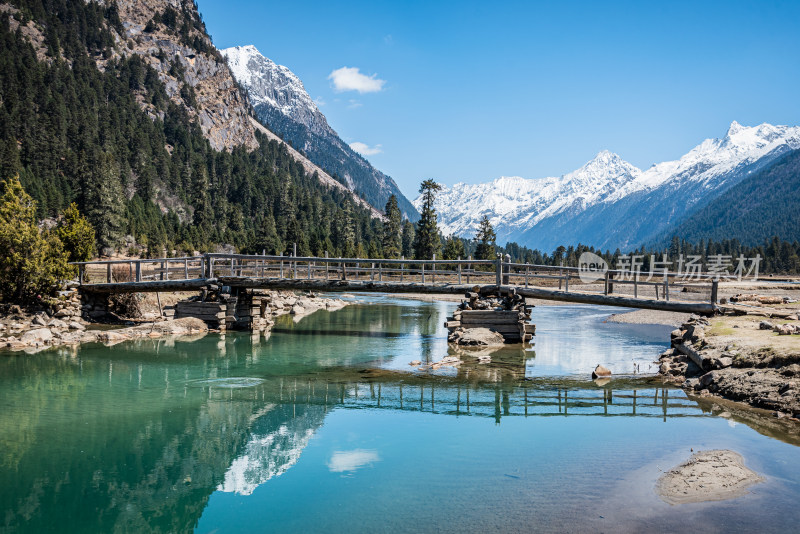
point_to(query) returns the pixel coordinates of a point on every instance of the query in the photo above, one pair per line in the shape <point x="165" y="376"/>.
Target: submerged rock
<point x="475" y="337"/>
<point x="601" y="371"/>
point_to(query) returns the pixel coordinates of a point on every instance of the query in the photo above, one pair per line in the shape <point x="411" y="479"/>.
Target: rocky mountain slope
<point x="608" y="202"/>
<point x="285" y="107"/>
<point x="170" y="36"/>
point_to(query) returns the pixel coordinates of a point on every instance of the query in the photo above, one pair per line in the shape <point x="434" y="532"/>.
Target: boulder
<point x="76" y="326"/>
<point x="601" y="371"/>
<point x="475" y="337"/>
<point x="66" y="312"/>
<point x="708" y="379"/>
<point x="297" y="310"/>
<point x="40" y="319"/>
<point x="765" y="325"/>
<point x="39" y="335"/>
<point x="57" y="323"/>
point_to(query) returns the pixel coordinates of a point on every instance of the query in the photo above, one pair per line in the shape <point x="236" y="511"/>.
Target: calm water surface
<point x="325" y="426"/>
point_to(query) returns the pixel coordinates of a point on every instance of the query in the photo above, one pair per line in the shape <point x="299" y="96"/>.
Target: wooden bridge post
<point x="566" y="282"/>
<point x="666" y="287"/>
<point x="499" y="270"/>
<point x="185" y="269"/>
<point x="327" y="265"/>
<point x="380" y="272"/>
<point x="423" y="273"/>
<point x="433" y="270"/>
<point x="281" y="272"/>
<point x="81" y="269"/>
<point x="402" y="267"/>
<point x="507" y="270"/>
<point x="714" y="289"/>
<point x="372" y="272"/>
<point x="527" y="272"/>
<point x="469" y="268"/>
<point x="108" y="273"/>
<point x="138" y="271"/>
<point x="294" y="263"/>
<point x="459" y="271"/>
<point x="605" y="284"/>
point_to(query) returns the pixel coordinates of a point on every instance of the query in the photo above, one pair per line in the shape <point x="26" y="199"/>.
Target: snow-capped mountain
<point x="608" y="202"/>
<point x="274" y="85"/>
<point x="282" y="104"/>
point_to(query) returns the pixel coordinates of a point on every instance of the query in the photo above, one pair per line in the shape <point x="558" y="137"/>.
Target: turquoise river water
<point x="325" y="427"/>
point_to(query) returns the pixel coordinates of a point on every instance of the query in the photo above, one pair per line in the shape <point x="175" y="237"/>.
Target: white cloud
<point x="319" y="102"/>
<point x="350" y="79"/>
<point x="342" y="461"/>
<point x="366" y="150"/>
<point x="353" y="104"/>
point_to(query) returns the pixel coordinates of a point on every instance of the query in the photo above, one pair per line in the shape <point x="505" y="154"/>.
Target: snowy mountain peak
<point x="605" y="200"/>
<point x="734" y="128"/>
<point x="268" y="83"/>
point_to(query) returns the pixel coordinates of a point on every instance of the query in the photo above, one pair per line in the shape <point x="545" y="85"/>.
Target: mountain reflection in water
<point x="138" y="436"/>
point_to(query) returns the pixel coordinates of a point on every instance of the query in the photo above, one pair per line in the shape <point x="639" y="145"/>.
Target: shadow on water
<point x="138" y="436"/>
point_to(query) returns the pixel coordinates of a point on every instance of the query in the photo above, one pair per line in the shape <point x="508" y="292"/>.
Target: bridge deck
<point x="565" y="284"/>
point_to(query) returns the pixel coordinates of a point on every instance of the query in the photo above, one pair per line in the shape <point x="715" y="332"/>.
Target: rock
<point x="600" y="371"/>
<point x="708" y="379"/>
<point x="63" y="313"/>
<point x="415" y="363"/>
<point x="57" y="323"/>
<point x="475" y="337"/>
<point x="691" y="383"/>
<point x="112" y="336"/>
<point x="40" y="319"/>
<point x="765" y="325"/>
<point x="76" y="326"/>
<point x="676" y="336"/>
<point x="297" y="310"/>
<point x="39" y="335"/>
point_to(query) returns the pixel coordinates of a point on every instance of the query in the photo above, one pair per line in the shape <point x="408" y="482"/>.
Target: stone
<point x="297" y="310"/>
<point x="76" y="326"/>
<point x="691" y="383"/>
<point x="600" y="371"/>
<point x="708" y="379"/>
<point x="765" y="325"/>
<point x="63" y="313"/>
<point x="415" y="363"/>
<point x="40" y="319"/>
<point x="475" y="337"/>
<point x="38" y="335"/>
<point x="57" y="323"/>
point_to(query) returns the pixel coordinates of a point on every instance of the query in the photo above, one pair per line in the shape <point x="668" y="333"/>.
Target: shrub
<point x="32" y="261"/>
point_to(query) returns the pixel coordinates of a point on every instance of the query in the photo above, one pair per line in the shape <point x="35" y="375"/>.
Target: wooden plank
<point x="489" y="320"/>
<point x="530" y="328"/>
<point x="452" y="324"/>
<point x="489" y="314"/>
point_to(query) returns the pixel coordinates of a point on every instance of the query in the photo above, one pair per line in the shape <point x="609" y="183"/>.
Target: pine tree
<point x="409" y="233"/>
<point x="76" y="234"/>
<point x="392" y="229"/>
<point x="454" y="248"/>
<point x="106" y="207"/>
<point x="426" y="242"/>
<point x="486" y="238"/>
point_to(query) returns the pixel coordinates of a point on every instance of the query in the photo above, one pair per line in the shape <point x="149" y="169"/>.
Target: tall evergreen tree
<point x="426" y="241"/>
<point x="106" y="208"/>
<point x="486" y="238"/>
<point x="454" y="248"/>
<point x="392" y="229"/>
<point x="409" y="233"/>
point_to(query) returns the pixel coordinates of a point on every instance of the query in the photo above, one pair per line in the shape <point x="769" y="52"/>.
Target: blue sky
<point x="478" y="90"/>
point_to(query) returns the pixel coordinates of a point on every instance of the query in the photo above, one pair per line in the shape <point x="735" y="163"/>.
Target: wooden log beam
<point x="701" y="308"/>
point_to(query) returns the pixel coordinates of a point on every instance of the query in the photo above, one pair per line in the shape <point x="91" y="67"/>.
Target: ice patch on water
<point x="229" y="383"/>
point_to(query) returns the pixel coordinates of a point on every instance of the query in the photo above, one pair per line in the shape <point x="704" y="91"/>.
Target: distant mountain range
<point x="285" y="107"/>
<point x="610" y="203"/>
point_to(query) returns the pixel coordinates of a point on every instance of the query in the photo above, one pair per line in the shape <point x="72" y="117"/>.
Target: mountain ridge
<point x="284" y="106"/>
<point x="609" y="202"/>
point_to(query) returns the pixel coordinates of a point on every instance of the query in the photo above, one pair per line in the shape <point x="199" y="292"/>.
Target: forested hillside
<point x="763" y="205"/>
<point x="83" y="118"/>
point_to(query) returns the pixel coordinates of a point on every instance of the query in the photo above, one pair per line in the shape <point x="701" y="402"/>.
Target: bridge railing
<point x="664" y="286"/>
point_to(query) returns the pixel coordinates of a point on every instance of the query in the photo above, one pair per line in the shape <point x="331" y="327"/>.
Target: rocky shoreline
<point x="69" y="320"/>
<point x="742" y="359"/>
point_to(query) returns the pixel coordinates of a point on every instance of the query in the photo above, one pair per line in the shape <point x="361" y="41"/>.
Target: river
<point x="324" y="426"/>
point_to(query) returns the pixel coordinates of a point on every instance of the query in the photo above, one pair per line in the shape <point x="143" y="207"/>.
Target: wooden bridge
<point x="666" y="291"/>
